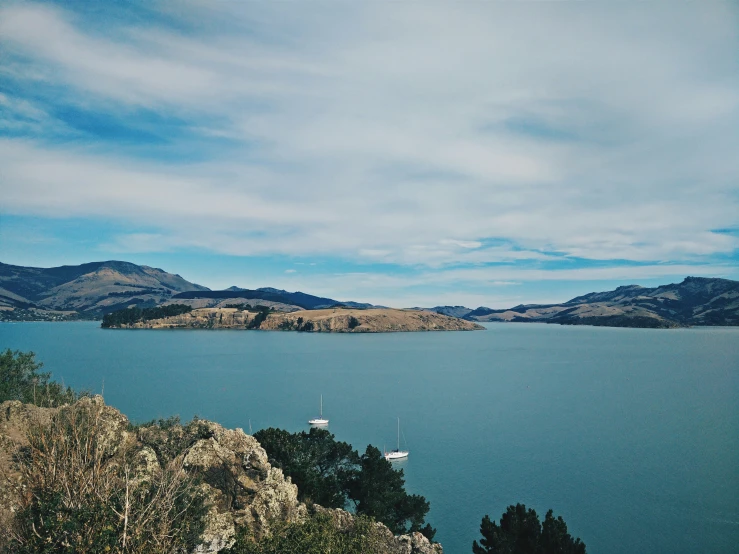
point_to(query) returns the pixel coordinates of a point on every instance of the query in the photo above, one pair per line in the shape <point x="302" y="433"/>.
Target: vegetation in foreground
<point x="331" y="473"/>
<point x="318" y="535"/>
<point x="87" y="496"/>
<point x="80" y="493"/>
<point x="22" y="380"/>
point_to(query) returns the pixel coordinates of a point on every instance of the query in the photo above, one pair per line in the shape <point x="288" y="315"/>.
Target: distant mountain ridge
<point x="694" y="301"/>
<point x="93" y="289"/>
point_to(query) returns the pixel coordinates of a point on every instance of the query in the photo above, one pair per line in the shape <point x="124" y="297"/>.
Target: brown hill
<point x="88" y="289"/>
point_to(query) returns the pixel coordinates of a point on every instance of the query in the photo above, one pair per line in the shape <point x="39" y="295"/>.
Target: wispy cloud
<point x="445" y="137"/>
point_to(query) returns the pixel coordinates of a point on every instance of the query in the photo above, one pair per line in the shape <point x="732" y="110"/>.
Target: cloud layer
<point x="436" y="136"/>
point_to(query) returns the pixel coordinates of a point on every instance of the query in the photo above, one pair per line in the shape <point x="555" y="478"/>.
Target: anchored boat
<point x="396" y="454"/>
<point x="319" y="420"/>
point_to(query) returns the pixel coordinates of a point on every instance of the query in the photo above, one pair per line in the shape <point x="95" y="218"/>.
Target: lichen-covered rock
<point x="244" y="489"/>
<point x="415" y="543"/>
<point x="241" y="487"/>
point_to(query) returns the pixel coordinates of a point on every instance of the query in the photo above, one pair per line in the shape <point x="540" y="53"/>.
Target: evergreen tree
<point x="520" y="532"/>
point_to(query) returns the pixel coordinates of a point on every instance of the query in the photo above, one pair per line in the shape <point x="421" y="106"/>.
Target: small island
<point x="328" y="320"/>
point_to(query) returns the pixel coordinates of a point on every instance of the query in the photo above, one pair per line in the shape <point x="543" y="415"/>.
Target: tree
<point x="332" y="474"/>
<point x="315" y="461"/>
<point x="20" y="379"/>
<point x="378" y="490"/>
<point x="520" y="532"/>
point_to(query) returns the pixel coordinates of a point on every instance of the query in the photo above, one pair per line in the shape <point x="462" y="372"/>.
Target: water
<point x="631" y="435"/>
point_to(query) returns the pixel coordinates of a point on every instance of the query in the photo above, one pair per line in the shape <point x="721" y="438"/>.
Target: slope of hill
<point x="87" y="290"/>
<point x="694" y="301"/>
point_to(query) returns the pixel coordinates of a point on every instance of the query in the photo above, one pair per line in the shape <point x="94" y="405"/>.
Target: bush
<point x="90" y="493"/>
<point x="262" y="314"/>
<point x="20" y="379"/>
<point x="318" y="535"/>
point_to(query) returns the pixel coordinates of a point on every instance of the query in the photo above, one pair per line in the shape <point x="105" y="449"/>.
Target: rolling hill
<point x="91" y="290"/>
<point x="87" y="290"/>
<point x="694" y="301"/>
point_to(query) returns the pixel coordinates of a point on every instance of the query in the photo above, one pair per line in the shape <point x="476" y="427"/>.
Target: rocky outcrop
<point x="241" y="487"/>
<point x="387" y="543"/>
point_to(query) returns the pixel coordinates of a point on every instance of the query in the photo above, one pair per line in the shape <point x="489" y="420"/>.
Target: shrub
<point x="89" y="492"/>
<point x="318" y="535"/>
<point x="20" y="379"/>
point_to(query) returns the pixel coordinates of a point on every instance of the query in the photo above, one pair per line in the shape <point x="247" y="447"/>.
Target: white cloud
<point x="398" y="133"/>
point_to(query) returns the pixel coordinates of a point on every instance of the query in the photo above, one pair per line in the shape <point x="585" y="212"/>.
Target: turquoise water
<point x="631" y="435"/>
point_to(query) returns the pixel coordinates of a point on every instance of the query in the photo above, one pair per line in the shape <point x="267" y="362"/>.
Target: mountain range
<point x="694" y="301"/>
<point x="91" y="290"/>
<point x="94" y="289"/>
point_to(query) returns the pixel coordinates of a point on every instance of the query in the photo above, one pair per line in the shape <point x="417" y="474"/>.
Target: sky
<point x="401" y="153"/>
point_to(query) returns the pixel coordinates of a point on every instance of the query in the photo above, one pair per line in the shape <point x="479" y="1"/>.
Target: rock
<point x="240" y="485"/>
<point x="415" y="543"/>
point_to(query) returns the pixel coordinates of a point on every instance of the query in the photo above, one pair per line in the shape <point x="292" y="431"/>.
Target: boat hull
<point x="391" y="456"/>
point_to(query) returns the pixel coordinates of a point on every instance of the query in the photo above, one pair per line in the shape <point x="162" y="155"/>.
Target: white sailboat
<point x="319" y="420"/>
<point x="396" y="454"/>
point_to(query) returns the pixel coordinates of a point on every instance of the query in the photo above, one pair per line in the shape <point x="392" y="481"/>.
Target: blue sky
<point x="475" y="153"/>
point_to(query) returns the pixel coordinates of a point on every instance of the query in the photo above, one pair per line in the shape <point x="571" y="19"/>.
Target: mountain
<point x="694" y="301"/>
<point x="453" y="311"/>
<point x="87" y="290"/>
<point x="278" y="299"/>
<point x="93" y="289"/>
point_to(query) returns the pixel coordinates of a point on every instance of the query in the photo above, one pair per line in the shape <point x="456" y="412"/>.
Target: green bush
<point x="318" y="535"/>
<point x="20" y="379"/>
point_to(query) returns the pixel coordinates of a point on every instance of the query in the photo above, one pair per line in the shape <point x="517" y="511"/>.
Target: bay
<point x="632" y="435"/>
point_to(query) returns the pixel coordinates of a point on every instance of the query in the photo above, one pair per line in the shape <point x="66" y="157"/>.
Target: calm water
<point x="631" y="435"/>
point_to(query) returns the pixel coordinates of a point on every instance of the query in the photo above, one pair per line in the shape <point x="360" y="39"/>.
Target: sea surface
<point x="632" y="435"/>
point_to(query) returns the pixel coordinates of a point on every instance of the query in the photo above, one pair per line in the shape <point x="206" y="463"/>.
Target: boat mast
<point x="398" y="434"/>
<point x="321" y="406"/>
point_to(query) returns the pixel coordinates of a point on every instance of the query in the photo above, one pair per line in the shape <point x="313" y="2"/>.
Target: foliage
<point x="520" y="532"/>
<point x="353" y="322"/>
<point x="332" y="474"/>
<point x="318" y="535"/>
<point x="90" y="493"/>
<point x="262" y="313"/>
<point x="133" y="315"/>
<point x="305" y="326"/>
<point x="317" y="463"/>
<point x="20" y="379"/>
<point x="378" y="490"/>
